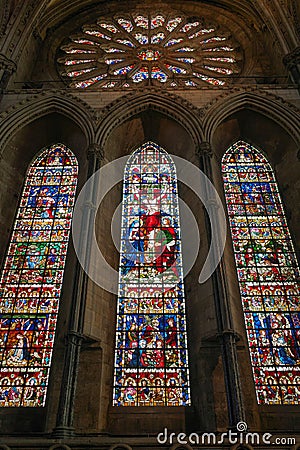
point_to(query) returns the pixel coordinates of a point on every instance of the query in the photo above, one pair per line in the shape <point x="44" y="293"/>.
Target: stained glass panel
<point x="268" y="273"/>
<point x="150" y="43"/>
<point x="151" y="362"/>
<point x="31" y="281"/>
<point x="157" y="21"/>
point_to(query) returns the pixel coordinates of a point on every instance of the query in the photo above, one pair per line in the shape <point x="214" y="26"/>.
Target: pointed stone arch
<point x="283" y="113"/>
<point x="37" y="106"/>
<point x="168" y="104"/>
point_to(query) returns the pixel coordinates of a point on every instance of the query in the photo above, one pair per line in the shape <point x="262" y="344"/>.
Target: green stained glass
<point x="268" y="273"/>
<point x="149" y="45"/>
<point x="151" y="362"/>
<point x="31" y="280"/>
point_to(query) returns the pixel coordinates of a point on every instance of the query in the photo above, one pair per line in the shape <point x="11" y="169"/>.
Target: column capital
<point x="74" y="337"/>
<point x="212" y="203"/>
<point x="229" y="334"/>
<point x="95" y="151"/>
<point x="204" y="149"/>
<point x="89" y="205"/>
<point x="7" y="64"/>
<point x="292" y="58"/>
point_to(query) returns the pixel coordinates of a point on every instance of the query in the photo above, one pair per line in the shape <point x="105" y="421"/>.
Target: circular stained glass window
<point x="137" y="49"/>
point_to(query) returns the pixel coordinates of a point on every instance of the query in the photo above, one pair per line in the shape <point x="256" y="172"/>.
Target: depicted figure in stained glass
<point x="31" y="280"/>
<point x="151" y="365"/>
<point x="268" y="273"/>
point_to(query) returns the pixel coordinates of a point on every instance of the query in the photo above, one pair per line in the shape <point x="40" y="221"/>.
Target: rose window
<point x="137" y="49"/>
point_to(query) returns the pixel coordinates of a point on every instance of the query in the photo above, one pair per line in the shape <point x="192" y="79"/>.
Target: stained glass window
<point x="31" y="281"/>
<point x="267" y="271"/>
<point x="131" y="49"/>
<point x="151" y="362"/>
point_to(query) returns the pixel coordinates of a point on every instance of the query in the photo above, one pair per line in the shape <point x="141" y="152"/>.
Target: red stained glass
<point x="268" y="273"/>
<point x="151" y="363"/>
<point x="31" y="280"/>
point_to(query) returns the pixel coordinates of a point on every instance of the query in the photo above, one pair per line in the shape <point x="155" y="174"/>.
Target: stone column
<point x="74" y="339"/>
<point x="7" y="68"/>
<point x="292" y="62"/>
<point x="226" y="334"/>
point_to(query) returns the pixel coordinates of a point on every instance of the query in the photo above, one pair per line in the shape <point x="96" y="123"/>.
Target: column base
<point x="63" y="432"/>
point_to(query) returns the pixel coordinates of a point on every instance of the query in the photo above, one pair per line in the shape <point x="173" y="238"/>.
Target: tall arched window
<point x="31" y="280"/>
<point x="267" y="271"/>
<point x="151" y="366"/>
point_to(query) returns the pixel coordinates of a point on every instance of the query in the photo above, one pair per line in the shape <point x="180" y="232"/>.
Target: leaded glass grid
<point x="31" y="280"/>
<point x="149" y="48"/>
<point x="151" y="361"/>
<point x="268" y="273"/>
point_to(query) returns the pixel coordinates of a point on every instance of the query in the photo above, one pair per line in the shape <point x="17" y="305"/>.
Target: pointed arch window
<point x="268" y="273"/>
<point x="151" y="362"/>
<point x="31" y="280"/>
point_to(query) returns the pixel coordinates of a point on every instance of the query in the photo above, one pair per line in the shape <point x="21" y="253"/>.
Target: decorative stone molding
<point x="21" y="24"/>
<point x="35" y="106"/>
<point x="241" y="447"/>
<point x="232" y="334"/>
<point x="95" y="151"/>
<point x="7" y="64"/>
<point x="293" y="58"/>
<point x="89" y="205"/>
<point x="204" y="149"/>
<point x="188" y="74"/>
<point x="135" y="102"/>
<point x="295" y="10"/>
<point x="181" y="447"/>
<point x="266" y="103"/>
<point x="152" y="91"/>
<point x="272" y="21"/>
<point x="248" y="90"/>
<point x="120" y="446"/>
<point x="59" y="94"/>
<point x="211" y="204"/>
<point x="59" y="447"/>
<point x="4" y="15"/>
<point x="74" y="337"/>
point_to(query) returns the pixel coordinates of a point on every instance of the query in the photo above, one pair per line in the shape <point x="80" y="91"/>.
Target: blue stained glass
<point x="158" y="74"/>
<point x="123" y="70"/>
<point x="173" y="41"/>
<point x="141" y="75"/>
<point x="142" y="21"/>
<point x="173" y="23"/>
<point x="157" y="38"/>
<point x="113" y="61"/>
<point x="126" y="42"/>
<point x="186" y="60"/>
<point x="147" y="37"/>
<point x="190" y="83"/>
<point x="126" y="24"/>
<point x="141" y="38"/>
<point x="175" y="69"/>
<point x="157" y="21"/>
<point x="31" y="280"/>
<point x="151" y="362"/>
<point x="268" y="273"/>
<point x="185" y="49"/>
<point x="90" y="82"/>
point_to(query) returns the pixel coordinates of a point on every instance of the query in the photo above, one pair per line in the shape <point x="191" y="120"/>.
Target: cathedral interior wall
<point x="37" y="110"/>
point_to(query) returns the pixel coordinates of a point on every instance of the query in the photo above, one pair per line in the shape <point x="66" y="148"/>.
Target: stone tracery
<point x="130" y="49"/>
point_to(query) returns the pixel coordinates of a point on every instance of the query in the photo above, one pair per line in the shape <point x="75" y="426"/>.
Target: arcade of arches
<point x="83" y="83"/>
